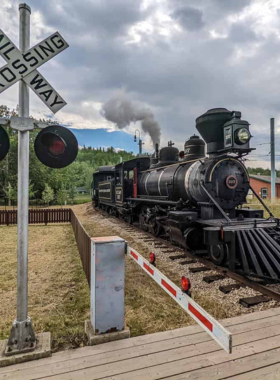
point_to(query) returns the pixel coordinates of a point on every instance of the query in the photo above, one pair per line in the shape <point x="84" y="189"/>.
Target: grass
<point x="274" y="207"/>
<point x="58" y="291"/>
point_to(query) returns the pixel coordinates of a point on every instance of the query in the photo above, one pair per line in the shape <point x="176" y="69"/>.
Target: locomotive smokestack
<point x="156" y="151"/>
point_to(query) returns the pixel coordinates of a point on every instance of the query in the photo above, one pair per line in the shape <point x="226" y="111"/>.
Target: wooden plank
<point x="270" y="372"/>
<point x="242" y="367"/>
<point x="238" y="324"/>
<point x="151" y="367"/>
<point x="252" y="320"/>
<point x="252" y="301"/>
<point x="109" y="364"/>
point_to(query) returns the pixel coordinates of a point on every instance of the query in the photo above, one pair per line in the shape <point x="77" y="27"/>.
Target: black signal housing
<point x="4" y="143"/>
<point x="56" y="146"/>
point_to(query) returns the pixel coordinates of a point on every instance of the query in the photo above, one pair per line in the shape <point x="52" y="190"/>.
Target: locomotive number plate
<point x="231" y="182"/>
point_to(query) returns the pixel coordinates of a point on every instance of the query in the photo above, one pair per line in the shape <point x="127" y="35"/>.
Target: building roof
<point x="264" y="178"/>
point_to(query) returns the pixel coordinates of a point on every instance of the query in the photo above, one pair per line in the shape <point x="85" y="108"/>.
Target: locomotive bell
<point x="56" y="146"/>
<point x="4" y="143"/>
<point x="194" y="148"/>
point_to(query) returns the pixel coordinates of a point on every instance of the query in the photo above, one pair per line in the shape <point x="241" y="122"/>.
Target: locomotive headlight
<point x="242" y="136"/>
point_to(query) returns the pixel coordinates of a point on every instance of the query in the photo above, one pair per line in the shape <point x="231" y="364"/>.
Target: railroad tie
<point x="215" y="277"/>
<point x="199" y="269"/>
<point x="187" y="262"/>
<point x="177" y="257"/>
<point x="252" y="301"/>
<point x="228" y="288"/>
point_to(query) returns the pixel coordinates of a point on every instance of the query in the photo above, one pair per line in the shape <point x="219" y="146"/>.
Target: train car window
<point x="117" y="174"/>
<point x="131" y="174"/>
<point x="264" y="192"/>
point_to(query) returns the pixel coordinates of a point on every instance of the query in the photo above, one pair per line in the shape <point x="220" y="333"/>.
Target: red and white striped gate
<point x="205" y="320"/>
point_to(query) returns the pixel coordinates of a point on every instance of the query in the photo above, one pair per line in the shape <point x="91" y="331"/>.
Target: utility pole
<point x="272" y="152"/>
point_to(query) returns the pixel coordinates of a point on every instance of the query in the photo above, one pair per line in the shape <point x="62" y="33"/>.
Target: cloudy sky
<point x="178" y="57"/>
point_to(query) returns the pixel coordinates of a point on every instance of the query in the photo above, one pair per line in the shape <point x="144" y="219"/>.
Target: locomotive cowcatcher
<point x="196" y="200"/>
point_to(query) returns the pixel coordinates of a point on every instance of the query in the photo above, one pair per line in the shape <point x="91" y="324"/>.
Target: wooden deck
<point x="187" y="353"/>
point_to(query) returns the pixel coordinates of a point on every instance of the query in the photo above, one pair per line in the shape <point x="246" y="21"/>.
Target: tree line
<point x="262" y="171"/>
<point x="47" y="184"/>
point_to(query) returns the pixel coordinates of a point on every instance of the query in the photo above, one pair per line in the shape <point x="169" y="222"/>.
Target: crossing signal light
<point x="186" y="284"/>
<point x="4" y="143"/>
<point x="152" y="258"/>
<point x="56" y="146"/>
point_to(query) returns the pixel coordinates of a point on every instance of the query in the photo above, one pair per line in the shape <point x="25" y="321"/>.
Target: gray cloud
<point x="230" y="6"/>
<point x="242" y="32"/>
<point x="179" y="74"/>
<point x="190" y="18"/>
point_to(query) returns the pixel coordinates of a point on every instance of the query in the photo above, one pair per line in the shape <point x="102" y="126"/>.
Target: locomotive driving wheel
<point x="155" y="228"/>
<point x="219" y="253"/>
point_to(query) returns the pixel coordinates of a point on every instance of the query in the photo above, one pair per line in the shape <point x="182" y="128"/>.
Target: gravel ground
<point x="229" y="303"/>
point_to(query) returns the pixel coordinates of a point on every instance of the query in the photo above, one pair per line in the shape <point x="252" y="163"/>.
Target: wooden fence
<point x="84" y="244"/>
<point x="64" y="215"/>
<point x="41" y="216"/>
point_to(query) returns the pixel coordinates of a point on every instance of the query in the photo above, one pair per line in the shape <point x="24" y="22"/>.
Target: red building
<point x="262" y="185"/>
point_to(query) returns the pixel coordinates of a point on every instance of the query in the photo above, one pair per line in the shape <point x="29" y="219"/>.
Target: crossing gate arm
<point x="222" y="336"/>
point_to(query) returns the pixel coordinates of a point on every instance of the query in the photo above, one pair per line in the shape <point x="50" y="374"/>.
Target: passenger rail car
<point x="195" y="200"/>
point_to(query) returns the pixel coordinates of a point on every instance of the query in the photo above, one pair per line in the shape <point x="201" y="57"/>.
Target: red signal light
<point x="152" y="258"/>
<point x="186" y="284"/>
<point x="54" y="144"/>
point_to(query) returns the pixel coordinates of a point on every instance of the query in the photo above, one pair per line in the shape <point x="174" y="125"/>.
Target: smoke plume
<point x="121" y="110"/>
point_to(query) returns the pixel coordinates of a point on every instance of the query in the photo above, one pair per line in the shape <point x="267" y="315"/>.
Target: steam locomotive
<point x="195" y="200"/>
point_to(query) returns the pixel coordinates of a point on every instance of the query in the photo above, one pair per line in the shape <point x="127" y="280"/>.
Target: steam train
<point x="195" y="200"/>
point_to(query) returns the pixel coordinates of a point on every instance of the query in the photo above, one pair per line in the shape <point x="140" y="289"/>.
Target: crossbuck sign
<point x="23" y="66"/>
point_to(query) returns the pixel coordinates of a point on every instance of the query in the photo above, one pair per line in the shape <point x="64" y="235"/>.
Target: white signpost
<point x="22" y="67"/>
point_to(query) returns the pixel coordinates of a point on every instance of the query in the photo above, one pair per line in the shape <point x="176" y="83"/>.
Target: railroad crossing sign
<point x="61" y="145"/>
<point x="23" y="66"/>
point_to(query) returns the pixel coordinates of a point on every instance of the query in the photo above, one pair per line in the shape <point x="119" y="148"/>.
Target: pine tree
<point x="48" y="195"/>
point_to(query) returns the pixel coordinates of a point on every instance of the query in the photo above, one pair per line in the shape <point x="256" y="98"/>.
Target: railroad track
<point x="169" y="248"/>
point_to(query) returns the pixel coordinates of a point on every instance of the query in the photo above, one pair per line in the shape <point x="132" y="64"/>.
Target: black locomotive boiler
<point x="195" y="200"/>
